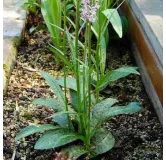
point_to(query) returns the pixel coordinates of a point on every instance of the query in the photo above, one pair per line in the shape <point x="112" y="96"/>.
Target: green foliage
<point x="49" y="102"/>
<point x="61" y="119"/>
<point x="55" y="138"/>
<point x="125" y="24"/>
<point x="29" y="5"/>
<point x="61" y="56"/>
<point x="104" y="111"/>
<point x="74" y="99"/>
<point x="105" y="15"/>
<point x="52" y="14"/>
<point x="102" y="142"/>
<point x="115" y="75"/>
<point x="102" y="36"/>
<point x="113" y="16"/>
<point x="61" y="134"/>
<point x="79" y="119"/>
<point x="54" y="86"/>
<point x="34" y="129"/>
<point x="74" y="151"/>
<point x="71" y="82"/>
<point x="37" y="28"/>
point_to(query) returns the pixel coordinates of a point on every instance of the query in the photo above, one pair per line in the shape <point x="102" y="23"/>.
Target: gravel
<point x="138" y="136"/>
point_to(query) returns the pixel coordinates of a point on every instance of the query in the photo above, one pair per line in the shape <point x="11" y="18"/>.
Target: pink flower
<point x="89" y="11"/>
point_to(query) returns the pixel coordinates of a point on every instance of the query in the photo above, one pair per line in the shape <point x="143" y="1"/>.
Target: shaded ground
<point x="138" y="136"/>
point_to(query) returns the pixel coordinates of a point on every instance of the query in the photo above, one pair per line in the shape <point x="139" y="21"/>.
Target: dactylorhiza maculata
<point x="89" y="11"/>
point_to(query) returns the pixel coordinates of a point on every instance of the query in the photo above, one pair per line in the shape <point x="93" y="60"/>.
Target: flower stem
<point x="77" y="64"/>
<point x="84" y="77"/>
<point x="65" y="69"/>
<point x="89" y="81"/>
<point x="98" y="51"/>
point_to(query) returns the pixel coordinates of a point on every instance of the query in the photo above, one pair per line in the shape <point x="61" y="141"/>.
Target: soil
<point x="138" y="136"/>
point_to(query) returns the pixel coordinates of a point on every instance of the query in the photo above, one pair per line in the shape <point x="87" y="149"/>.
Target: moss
<point x="4" y="67"/>
<point x="16" y="41"/>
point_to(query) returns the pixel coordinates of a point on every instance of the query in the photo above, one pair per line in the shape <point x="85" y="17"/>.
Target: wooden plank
<point x="147" y="54"/>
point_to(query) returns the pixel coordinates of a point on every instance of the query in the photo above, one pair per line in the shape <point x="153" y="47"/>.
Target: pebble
<point x="124" y="127"/>
<point x="150" y="156"/>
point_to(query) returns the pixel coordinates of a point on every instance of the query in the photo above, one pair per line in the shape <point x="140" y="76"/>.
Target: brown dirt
<point x="138" y="136"/>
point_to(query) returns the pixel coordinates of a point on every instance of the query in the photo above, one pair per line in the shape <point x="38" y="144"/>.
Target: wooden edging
<point x="147" y="60"/>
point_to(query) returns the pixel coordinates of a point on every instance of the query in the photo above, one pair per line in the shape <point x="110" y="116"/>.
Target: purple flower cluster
<point x="89" y="11"/>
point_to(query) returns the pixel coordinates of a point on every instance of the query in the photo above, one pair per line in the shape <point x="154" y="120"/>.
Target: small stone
<point x="25" y="144"/>
<point x="23" y="98"/>
<point x="18" y="155"/>
<point x="22" y="80"/>
<point x="140" y="115"/>
<point x="13" y="135"/>
<point x="150" y="156"/>
<point x="12" y="127"/>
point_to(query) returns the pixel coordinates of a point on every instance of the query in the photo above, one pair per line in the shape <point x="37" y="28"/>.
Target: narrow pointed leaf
<point x="103" y="106"/>
<point x="62" y="120"/>
<point x="48" y="9"/>
<point x="69" y="6"/>
<point x="62" y="57"/>
<point x="115" y="75"/>
<point x="49" y="102"/>
<point x="55" y="138"/>
<point x="102" y="142"/>
<point x="102" y="53"/>
<point x="105" y="112"/>
<point x="34" y="129"/>
<point x="61" y="117"/>
<point x="54" y="86"/>
<point x="70" y="112"/>
<point x="113" y="16"/>
<point x="74" y="99"/>
<point x="72" y="47"/>
<point x="70" y="82"/>
<point x="74" y="151"/>
<point x="131" y="108"/>
<point x="98" y="113"/>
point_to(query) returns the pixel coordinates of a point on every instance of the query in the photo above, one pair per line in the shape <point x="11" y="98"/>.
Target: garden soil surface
<point x="138" y="136"/>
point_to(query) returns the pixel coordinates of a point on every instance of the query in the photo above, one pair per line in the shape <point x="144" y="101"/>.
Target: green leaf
<point x="52" y="13"/>
<point x="102" y="142"/>
<point x="125" y="24"/>
<point x="59" y="54"/>
<point x="54" y="86"/>
<point x="34" y="129"/>
<point x="55" y="138"/>
<point x="61" y="117"/>
<point x="49" y="102"/>
<point x="97" y="115"/>
<point x="69" y="6"/>
<point x="74" y="99"/>
<point x="70" y="82"/>
<point x="113" y="16"/>
<point x="37" y="28"/>
<point x="103" y="112"/>
<point x="103" y="107"/>
<point x="74" y="151"/>
<point x="72" y="48"/>
<point x="62" y="120"/>
<point x="115" y="75"/>
<point x="102" y="53"/>
<point x="131" y="108"/>
<point x="70" y="112"/>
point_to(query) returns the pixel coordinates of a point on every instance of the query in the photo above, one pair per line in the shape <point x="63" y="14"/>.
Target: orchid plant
<point x="79" y="121"/>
